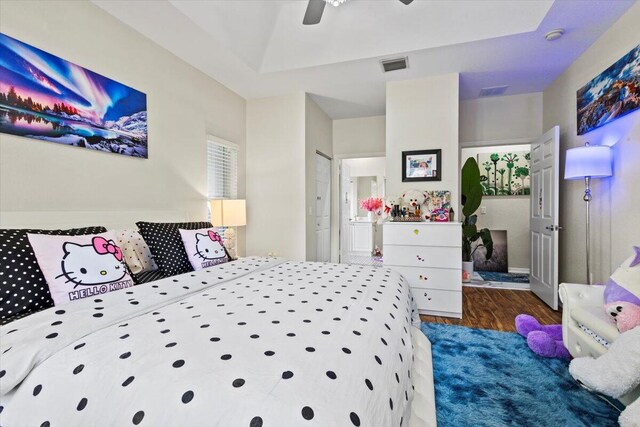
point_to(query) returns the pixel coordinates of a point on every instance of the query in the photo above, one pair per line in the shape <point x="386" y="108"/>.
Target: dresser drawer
<point x="422" y="256"/>
<point x="435" y="300"/>
<point x="431" y="278"/>
<point x="421" y="234"/>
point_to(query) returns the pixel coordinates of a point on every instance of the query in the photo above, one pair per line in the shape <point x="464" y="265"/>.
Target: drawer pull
<point x="416" y="231"/>
<point x="421" y="277"/>
<point x="420" y="258"/>
<point x="428" y="299"/>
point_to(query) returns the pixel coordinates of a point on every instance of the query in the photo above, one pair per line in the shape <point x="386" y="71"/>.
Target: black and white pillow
<point x="23" y="289"/>
<point x="166" y="244"/>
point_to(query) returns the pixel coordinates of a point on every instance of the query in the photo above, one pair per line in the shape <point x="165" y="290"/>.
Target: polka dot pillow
<point x="136" y="252"/>
<point x="166" y="245"/>
<point x="204" y="248"/>
<point x="78" y="267"/>
<point x="23" y="289"/>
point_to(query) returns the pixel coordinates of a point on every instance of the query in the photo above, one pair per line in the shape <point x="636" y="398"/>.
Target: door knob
<point x="553" y="227"/>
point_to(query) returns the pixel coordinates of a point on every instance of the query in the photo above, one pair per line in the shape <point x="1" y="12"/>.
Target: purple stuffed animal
<point x="543" y="340"/>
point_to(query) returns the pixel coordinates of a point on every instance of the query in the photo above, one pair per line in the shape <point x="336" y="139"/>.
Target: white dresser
<point x="429" y="256"/>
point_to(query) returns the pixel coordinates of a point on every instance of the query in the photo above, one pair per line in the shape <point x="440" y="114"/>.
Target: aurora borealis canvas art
<point x="45" y="97"/>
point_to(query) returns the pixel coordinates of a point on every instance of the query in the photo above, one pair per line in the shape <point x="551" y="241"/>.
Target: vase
<point x="467" y="271"/>
<point x="370" y="216"/>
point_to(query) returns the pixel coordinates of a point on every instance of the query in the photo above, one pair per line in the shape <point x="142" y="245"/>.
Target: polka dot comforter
<point x="256" y="342"/>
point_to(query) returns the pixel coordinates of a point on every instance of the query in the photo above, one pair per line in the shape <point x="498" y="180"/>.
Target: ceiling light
<point x="554" y="34"/>
<point x="335" y="3"/>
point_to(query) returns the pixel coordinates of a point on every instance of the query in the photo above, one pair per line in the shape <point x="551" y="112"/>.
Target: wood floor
<point x="497" y="308"/>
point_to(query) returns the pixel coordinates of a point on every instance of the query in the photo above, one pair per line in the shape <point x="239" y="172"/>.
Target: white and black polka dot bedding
<point x="255" y="342"/>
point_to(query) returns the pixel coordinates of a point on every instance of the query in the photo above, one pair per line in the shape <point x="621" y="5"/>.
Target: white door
<point x="323" y="209"/>
<point x="345" y="212"/>
<point x="543" y="222"/>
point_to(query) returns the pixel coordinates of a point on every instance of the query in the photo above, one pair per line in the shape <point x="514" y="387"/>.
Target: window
<point x="222" y="169"/>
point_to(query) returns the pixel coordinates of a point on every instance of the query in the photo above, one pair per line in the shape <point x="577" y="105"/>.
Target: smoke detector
<point x="394" y="64"/>
<point x="493" y="91"/>
<point x="554" y="34"/>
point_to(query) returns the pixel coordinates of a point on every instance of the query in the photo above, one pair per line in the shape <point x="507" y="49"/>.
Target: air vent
<point x="394" y="64"/>
<point x="493" y="91"/>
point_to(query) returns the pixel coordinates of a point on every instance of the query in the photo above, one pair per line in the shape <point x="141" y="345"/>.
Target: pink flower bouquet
<point x="372" y="204"/>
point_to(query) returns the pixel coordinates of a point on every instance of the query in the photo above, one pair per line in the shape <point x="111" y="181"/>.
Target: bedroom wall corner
<point x="184" y="105"/>
<point x="616" y="202"/>
<point x="423" y="114"/>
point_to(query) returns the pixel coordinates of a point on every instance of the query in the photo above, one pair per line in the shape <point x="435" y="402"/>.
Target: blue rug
<point x="489" y="378"/>
<point x="494" y="276"/>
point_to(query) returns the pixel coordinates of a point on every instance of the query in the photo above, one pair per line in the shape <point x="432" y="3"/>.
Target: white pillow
<point x="204" y="247"/>
<point x="136" y="252"/>
<point x="77" y="267"/>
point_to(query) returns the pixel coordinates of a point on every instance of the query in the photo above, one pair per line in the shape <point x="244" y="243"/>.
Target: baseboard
<point x="519" y="270"/>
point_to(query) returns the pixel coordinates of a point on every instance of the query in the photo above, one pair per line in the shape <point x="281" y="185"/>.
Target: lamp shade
<point x="592" y="160"/>
<point x="228" y="213"/>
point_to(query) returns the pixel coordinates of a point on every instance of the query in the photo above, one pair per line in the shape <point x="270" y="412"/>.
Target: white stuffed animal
<point x="630" y="417"/>
<point x="615" y="373"/>
<point x="413" y="199"/>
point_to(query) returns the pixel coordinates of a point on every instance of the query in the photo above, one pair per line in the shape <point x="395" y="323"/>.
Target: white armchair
<point x="583" y="305"/>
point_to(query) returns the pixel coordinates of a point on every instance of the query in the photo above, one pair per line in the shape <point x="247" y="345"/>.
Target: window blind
<point x="222" y="170"/>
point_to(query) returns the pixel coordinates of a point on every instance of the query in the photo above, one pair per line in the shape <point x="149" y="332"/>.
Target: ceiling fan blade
<point x="406" y="1"/>
<point x="314" y="12"/>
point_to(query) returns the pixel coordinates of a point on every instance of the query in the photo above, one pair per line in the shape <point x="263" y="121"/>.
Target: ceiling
<point x="260" y="48"/>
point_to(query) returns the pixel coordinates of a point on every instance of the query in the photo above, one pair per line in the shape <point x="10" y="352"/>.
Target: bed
<point x="255" y="342"/>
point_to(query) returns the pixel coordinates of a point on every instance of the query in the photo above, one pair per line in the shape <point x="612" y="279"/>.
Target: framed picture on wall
<point x="48" y="98"/>
<point x="422" y="165"/>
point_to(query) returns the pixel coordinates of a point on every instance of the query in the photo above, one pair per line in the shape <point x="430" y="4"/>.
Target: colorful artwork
<point x="505" y="173"/>
<point x="437" y="200"/>
<point x="612" y="94"/>
<point x="45" y="97"/>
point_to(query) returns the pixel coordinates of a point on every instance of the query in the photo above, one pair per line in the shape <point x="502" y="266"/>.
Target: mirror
<point x="363" y="187"/>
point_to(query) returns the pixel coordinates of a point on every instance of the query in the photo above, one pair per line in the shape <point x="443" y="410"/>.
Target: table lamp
<point x="229" y="213"/>
<point x="588" y="162"/>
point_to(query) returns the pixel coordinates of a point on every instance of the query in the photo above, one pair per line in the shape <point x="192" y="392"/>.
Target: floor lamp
<point x="587" y="163"/>
<point x="229" y="214"/>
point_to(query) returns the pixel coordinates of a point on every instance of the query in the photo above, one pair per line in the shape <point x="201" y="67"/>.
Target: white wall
<point x="616" y="204"/>
<point x="184" y="105"/>
<point x="367" y="166"/>
<point x="506" y="213"/>
<point x="501" y="117"/>
<point x="359" y="137"/>
<point x="276" y="176"/>
<point x="318" y="137"/>
<point x="423" y="114"/>
<point x="283" y="134"/>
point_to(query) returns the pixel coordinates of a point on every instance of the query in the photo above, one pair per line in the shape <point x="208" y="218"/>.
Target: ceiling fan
<point x="313" y="15"/>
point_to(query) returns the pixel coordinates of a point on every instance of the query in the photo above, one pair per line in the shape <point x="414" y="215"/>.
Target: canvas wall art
<point x="499" y="261"/>
<point x="611" y="94"/>
<point x="505" y="173"/>
<point x="48" y="98"/>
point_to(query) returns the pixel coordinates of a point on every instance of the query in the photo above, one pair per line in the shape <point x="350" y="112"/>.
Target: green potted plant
<point x="472" y="238"/>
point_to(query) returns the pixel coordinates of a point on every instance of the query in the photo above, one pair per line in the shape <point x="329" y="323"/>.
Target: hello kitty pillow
<point x="204" y="248"/>
<point x="77" y="267"/>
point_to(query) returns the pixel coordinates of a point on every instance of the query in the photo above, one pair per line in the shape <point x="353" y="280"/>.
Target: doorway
<point x="531" y="239"/>
<point x="505" y="211"/>
<point x="360" y="231"/>
<point x="323" y="208"/>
